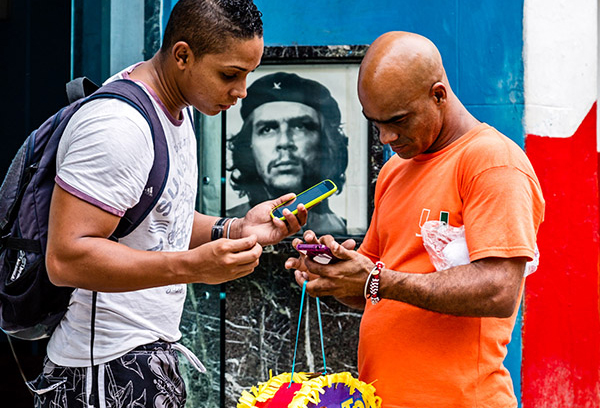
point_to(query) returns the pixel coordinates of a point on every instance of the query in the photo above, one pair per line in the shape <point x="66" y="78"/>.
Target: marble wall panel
<point x="201" y="332"/>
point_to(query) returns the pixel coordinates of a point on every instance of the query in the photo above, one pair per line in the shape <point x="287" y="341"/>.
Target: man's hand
<point x="269" y="230"/>
<point x="223" y="260"/>
<point x="345" y="279"/>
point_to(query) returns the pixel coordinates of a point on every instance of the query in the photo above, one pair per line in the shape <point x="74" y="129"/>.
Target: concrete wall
<point x="561" y="338"/>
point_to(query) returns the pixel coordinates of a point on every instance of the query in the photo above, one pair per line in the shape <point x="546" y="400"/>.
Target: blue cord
<point x="298" y="333"/>
<point x="321" y="332"/>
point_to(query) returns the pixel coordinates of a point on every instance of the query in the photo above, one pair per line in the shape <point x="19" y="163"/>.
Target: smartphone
<point x="317" y="252"/>
<point x="310" y="197"/>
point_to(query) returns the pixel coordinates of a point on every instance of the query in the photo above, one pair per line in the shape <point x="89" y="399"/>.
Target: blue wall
<point x="480" y="41"/>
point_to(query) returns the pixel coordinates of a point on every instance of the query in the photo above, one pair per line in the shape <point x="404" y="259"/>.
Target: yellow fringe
<point x="310" y="391"/>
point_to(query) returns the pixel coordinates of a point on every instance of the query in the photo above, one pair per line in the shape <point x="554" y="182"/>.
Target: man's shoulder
<point x="490" y="149"/>
<point x="487" y="143"/>
<point x="108" y="115"/>
<point x="488" y="137"/>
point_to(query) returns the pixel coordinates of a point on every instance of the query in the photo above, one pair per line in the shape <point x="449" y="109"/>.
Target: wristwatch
<point x="218" y="228"/>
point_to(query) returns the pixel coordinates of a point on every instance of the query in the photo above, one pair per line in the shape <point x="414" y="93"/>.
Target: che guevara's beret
<point x="283" y="86"/>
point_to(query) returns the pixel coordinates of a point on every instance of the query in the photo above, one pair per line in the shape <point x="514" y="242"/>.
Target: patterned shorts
<point x="147" y="376"/>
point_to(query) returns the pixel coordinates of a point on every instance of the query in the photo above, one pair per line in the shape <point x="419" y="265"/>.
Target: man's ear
<point x="183" y="54"/>
<point x="438" y="91"/>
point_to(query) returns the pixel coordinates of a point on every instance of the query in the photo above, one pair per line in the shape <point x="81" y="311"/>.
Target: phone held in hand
<point x="309" y="198"/>
<point x="317" y="252"/>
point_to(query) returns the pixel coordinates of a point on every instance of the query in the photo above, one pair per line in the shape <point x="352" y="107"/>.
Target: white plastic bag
<point x="447" y="246"/>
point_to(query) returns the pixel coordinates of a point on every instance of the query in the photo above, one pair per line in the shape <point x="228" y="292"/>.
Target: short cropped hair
<point x="207" y="25"/>
<point x="333" y="143"/>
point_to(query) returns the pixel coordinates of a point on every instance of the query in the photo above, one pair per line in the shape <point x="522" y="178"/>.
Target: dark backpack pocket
<point x="23" y="266"/>
<point x="32" y="305"/>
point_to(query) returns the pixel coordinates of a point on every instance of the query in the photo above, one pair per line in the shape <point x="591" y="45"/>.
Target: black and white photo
<point x="298" y="125"/>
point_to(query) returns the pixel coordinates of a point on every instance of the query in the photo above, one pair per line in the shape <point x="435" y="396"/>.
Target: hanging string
<point x="322" y="342"/>
<point x="298" y="333"/>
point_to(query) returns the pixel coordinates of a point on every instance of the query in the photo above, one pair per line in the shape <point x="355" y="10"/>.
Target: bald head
<point x="404" y="91"/>
<point x="399" y="63"/>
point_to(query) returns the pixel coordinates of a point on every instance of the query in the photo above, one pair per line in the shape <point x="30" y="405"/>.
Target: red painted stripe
<point x="561" y="331"/>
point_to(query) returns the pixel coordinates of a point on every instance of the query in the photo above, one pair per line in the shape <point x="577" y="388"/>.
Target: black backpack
<point x="30" y="305"/>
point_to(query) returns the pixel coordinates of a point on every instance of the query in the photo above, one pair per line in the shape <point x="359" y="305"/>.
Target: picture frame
<point x="336" y="69"/>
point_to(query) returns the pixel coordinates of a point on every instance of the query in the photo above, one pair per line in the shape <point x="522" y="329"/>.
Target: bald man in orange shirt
<point x="433" y="338"/>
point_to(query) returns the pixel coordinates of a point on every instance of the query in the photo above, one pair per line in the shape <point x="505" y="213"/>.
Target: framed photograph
<point x="301" y="123"/>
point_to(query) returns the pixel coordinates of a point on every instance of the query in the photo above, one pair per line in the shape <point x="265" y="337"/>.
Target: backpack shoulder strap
<point x="133" y="94"/>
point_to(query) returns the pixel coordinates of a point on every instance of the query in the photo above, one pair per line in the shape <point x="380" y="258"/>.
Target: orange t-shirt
<point x="420" y="358"/>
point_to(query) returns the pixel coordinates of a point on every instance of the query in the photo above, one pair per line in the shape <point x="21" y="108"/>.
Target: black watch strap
<point x="218" y="228"/>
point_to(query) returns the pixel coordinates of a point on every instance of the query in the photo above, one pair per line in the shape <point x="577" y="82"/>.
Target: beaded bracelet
<point x="372" y="283"/>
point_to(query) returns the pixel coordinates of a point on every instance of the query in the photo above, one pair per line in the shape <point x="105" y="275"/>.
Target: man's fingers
<point x="349" y="244"/>
<point x="302" y="214"/>
<point x="293" y="222"/>
<point x="316" y="268"/>
<point x="240" y="245"/>
<point x="293" y="263"/>
<point x="246" y="268"/>
<point x="319" y="287"/>
<point x="239" y="253"/>
<point x="300" y="276"/>
<point x="339" y="251"/>
<point x="283" y="199"/>
<point x="310" y="237"/>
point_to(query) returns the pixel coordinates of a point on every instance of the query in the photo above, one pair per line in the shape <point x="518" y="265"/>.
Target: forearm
<point x="202" y="228"/>
<point x="486" y="288"/>
<point x="203" y="224"/>
<point x="355" y="302"/>
<point x="103" y="265"/>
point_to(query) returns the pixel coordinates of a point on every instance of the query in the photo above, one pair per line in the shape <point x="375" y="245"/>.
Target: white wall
<point x="560" y="56"/>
